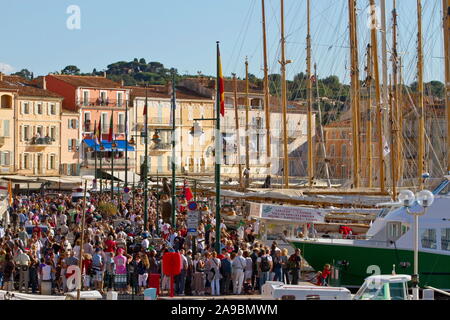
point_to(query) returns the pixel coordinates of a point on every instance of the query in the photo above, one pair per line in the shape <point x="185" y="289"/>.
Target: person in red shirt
<point x="110" y="244"/>
<point x="324" y="275"/>
<point x="87" y="271"/>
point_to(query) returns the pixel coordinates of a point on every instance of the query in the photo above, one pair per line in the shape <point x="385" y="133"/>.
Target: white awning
<point x="121" y="176"/>
<point x="18" y="178"/>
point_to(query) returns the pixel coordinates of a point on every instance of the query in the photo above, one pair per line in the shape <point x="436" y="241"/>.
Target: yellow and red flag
<point x="220" y="84"/>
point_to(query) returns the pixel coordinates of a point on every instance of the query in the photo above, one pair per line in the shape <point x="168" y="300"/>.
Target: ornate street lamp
<point x="424" y="199"/>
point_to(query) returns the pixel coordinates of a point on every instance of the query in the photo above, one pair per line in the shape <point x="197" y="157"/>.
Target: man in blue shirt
<point x="225" y="270"/>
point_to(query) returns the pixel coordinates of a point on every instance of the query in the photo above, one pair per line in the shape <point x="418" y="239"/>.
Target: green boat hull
<point x="434" y="269"/>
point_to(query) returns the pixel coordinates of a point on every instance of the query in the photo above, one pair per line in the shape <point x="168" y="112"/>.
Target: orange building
<point x="95" y="99"/>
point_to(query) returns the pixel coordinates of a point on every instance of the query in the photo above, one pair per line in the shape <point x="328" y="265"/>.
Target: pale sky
<point x="182" y="34"/>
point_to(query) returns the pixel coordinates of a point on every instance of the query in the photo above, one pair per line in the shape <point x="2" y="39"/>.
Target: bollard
<point x="46" y="288"/>
<point x="111" y="295"/>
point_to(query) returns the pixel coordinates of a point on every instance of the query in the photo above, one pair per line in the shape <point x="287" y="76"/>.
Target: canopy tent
<point x="121" y="145"/>
<point x="18" y="178"/>
<point x="66" y="179"/>
<point x="120" y="175"/>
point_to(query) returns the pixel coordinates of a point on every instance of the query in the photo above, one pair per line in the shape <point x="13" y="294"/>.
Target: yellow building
<point x="193" y="154"/>
<point x="7" y="97"/>
<point x="70" y="143"/>
<point x="36" y="121"/>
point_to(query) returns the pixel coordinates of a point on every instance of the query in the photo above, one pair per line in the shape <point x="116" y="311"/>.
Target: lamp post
<point x="113" y="146"/>
<point x="145" y="135"/>
<point x="126" y="142"/>
<point x="424" y="199"/>
<point x="197" y="131"/>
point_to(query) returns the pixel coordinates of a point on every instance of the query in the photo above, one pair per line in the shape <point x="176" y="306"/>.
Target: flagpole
<point x="95" y="152"/>
<point x="173" y="153"/>
<point x="218" y="153"/>
<point x="101" y="153"/>
<point x="126" y="142"/>
<point x="146" y="162"/>
<point x="111" y="138"/>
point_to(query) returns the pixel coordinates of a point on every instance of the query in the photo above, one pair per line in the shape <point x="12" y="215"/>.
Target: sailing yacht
<point x="389" y="242"/>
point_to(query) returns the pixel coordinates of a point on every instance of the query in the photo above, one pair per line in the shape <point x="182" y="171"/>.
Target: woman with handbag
<point x="199" y="275"/>
<point x="214" y="276"/>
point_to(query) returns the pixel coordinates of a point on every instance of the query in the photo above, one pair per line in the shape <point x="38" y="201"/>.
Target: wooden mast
<point x="354" y="91"/>
<point x="266" y="89"/>
<point x="400" y="119"/>
<point x="247" y="131"/>
<point x="283" y="63"/>
<point x="310" y="97"/>
<point x="369" y="118"/>
<point x="385" y="81"/>
<point x="393" y="127"/>
<point x="376" y="72"/>
<point x="421" y="146"/>
<point x="395" y="106"/>
<point x="446" y="11"/>
<point x="238" y="138"/>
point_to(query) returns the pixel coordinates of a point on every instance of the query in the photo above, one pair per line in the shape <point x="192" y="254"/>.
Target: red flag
<point x="110" y="135"/>
<point x="221" y="86"/>
<point x="187" y="192"/>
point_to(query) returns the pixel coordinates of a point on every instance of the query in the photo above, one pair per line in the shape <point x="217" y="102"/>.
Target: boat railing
<point x="339" y="238"/>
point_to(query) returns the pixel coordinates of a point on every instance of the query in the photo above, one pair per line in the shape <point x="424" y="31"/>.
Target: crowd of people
<point x="44" y="237"/>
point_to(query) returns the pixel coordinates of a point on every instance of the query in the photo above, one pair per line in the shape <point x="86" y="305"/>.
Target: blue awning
<point x="121" y="145"/>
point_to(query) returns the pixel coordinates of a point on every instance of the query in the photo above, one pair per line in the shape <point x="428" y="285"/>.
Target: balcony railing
<point x="41" y="141"/>
<point x="162" y="146"/>
<point x="155" y="121"/>
<point x="106" y="161"/>
<point x="99" y="102"/>
<point x="90" y="127"/>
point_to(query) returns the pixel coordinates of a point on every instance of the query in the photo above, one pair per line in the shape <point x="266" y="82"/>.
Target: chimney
<point x="1" y="76"/>
<point x="122" y="83"/>
<point x="104" y="74"/>
<point x="44" y="83"/>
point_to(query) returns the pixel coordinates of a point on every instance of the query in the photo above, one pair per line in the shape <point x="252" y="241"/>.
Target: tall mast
<point x="369" y="118"/>
<point x="421" y="146"/>
<point x="238" y="137"/>
<point x="393" y="127"/>
<point x="322" y="135"/>
<point x="354" y="91"/>
<point x="266" y="89"/>
<point x="385" y="87"/>
<point x="400" y="119"/>
<point x="446" y="11"/>
<point x="283" y="63"/>
<point x="373" y="32"/>
<point x="310" y="98"/>
<point x="395" y="105"/>
<point x="247" y="132"/>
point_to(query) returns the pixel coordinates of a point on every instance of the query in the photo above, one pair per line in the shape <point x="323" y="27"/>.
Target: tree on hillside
<point x="71" y="70"/>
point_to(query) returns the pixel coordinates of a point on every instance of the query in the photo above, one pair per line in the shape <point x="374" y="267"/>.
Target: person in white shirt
<point x="239" y="263"/>
<point x="145" y="243"/>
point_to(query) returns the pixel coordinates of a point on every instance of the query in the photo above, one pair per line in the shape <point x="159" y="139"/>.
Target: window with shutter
<point x="70" y="144"/>
<point x="7" y="158"/>
<point x="69" y="123"/>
